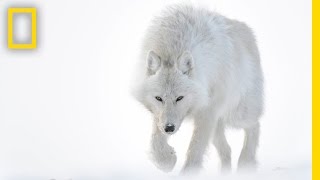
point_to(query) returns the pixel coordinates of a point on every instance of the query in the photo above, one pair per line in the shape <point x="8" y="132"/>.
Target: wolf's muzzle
<point x="169" y="128"/>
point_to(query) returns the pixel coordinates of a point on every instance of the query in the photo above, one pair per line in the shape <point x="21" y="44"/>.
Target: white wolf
<point x="199" y="64"/>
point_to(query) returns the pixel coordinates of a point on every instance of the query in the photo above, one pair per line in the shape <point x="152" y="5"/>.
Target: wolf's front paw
<point x="164" y="158"/>
<point x="190" y="170"/>
<point x="247" y="163"/>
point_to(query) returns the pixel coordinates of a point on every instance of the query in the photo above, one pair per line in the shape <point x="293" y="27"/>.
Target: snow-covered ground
<point x="66" y="111"/>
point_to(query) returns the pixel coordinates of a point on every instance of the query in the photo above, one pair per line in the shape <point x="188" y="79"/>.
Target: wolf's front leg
<point x="163" y="155"/>
<point x="198" y="145"/>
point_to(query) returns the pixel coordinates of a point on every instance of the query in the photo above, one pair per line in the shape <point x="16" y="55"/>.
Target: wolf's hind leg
<point x="247" y="159"/>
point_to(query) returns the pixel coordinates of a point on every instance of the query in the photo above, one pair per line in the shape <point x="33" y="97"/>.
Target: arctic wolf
<point x="204" y="66"/>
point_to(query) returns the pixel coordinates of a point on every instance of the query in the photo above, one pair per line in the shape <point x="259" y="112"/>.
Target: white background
<point x="66" y="111"/>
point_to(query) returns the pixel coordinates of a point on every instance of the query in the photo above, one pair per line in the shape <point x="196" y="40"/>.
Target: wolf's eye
<point x="179" y="98"/>
<point x="159" y="98"/>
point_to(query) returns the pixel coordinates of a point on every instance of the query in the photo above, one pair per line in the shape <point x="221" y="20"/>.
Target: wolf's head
<point x="170" y="91"/>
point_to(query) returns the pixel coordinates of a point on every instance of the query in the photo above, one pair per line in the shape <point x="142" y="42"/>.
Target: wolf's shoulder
<point x="187" y="15"/>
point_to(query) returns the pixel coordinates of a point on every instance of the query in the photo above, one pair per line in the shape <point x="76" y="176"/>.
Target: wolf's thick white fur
<point x="213" y="63"/>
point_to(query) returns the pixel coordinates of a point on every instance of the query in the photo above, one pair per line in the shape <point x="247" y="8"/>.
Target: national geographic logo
<point x="12" y="40"/>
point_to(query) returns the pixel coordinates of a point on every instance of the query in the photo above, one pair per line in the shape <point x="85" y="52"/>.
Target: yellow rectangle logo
<point x="33" y="12"/>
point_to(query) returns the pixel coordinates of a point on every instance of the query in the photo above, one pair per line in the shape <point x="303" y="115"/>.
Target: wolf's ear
<point x="153" y="62"/>
<point x="185" y="63"/>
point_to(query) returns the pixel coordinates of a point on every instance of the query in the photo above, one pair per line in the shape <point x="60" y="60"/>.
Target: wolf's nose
<point x="169" y="128"/>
